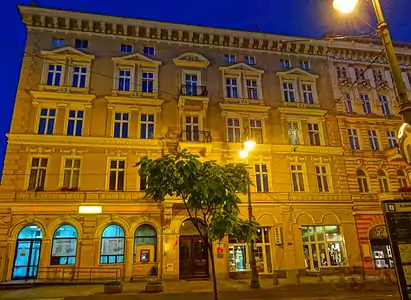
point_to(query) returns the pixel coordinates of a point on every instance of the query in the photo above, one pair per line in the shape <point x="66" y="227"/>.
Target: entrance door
<point x="193" y="257"/>
<point x="26" y="259"/>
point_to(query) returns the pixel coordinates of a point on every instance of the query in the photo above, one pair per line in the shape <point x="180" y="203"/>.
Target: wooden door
<point x="193" y="258"/>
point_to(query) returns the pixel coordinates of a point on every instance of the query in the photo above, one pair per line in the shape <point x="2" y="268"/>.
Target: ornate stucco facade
<point x="98" y="92"/>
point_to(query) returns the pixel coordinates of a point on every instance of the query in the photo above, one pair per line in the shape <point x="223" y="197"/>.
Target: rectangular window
<point x="149" y="51"/>
<point x="127" y="48"/>
<point x="304" y="64"/>
<point x="233" y="130"/>
<point x="192" y="128"/>
<point x="120" y="125"/>
<point x="348" y="103"/>
<point x="249" y="60"/>
<point x="71" y="173"/>
<point x="75" y="122"/>
<point x="79" y="77"/>
<point x="147" y="126"/>
<point x="322" y="247"/>
<point x="392" y="143"/>
<point x="285" y="63"/>
<point x="252" y="90"/>
<point x="297" y="177"/>
<point x="81" y="44"/>
<point x="288" y="92"/>
<point x="229" y="58"/>
<point x="308" y="93"/>
<point x="143" y="184"/>
<point x="359" y="73"/>
<point x="385" y="107"/>
<point x="256" y="130"/>
<point x="342" y="72"/>
<point x="353" y="139"/>
<point x="366" y="104"/>
<point x="116" y="175"/>
<point x="57" y="42"/>
<point x="314" y="133"/>
<point x="147" y="82"/>
<point x="47" y="120"/>
<point x="231" y="87"/>
<point x="322" y="180"/>
<point x="38" y="170"/>
<point x="54" y="75"/>
<point x="261" y="178"/>
<point x="373" y="139"/>
<point x="124" y="80"/>
<point x="293" y="133"/>
<point x="191" y="84"/>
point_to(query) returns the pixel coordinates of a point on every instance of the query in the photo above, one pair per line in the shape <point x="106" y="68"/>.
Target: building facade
<point x="96" y="93"/>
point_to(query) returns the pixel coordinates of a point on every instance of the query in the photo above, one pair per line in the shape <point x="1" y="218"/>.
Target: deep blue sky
<point x="291" y="17"/>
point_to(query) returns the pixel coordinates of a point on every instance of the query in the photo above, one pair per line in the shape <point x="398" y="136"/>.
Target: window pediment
<point x="240" y="67"/>
<point x="136" y="59"/>
<point x="191" y="59"/>
<point x="302" y="111"/>
<point x="67" y="52"/>
<point x="297" y="72"/>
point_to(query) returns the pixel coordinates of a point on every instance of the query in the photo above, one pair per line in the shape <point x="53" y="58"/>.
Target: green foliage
<point x="209" y="191"/>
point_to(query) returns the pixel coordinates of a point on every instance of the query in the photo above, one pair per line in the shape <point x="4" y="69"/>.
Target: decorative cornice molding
<point x="240" y="67"/>
<point x="62" y="96"/>
<point x="297" y="149"/>
<point x="304" y="111"/>
<point x="191" y="59"/>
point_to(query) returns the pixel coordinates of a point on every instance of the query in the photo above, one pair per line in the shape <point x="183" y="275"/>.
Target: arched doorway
<point x="193" y="253"/>
<point x="27" y="254"/>
<point x="381" y="247"/>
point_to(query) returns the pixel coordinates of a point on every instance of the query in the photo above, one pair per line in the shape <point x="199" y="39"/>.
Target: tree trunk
<point x="210" y="251"/>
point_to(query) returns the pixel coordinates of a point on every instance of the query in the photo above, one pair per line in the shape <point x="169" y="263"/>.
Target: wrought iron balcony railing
<point x="201" y="136"/>
<point x="194" y="90"/>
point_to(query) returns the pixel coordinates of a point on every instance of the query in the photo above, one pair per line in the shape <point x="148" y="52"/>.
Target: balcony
<point x="193" y="98"/>
<point x="199" y="136"/>
<point x="194" y="90"/>
<point x="344" y="81"/>
<point x="381" y="85"/>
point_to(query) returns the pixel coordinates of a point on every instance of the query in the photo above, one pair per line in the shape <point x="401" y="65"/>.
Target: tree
<point x="209" y="192"/>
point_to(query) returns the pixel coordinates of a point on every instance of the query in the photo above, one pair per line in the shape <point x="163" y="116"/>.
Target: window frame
<point x="285" y="63"/>
<point x="253" y="129"/>
<point x="147" y="123"/>
<point x="230" y="58"/>
<point x="63" y="175"/>
<point x="148" y="52"/>
<point x="355" y="139"/>
<point x="373" y="139"/>
<point x="123" y="238"/>
<point x="250" y="60"/>
<point x="58" y="42"/>
<point x="84" y="43"/>
<point x="29" y="169"/>
<point x="75" y="120"/>
<point x="383" y="181"/>
<point x="117" y="169"/>
<point x="239" y="127"/>
<point x="328" y="177"/>
<point x="267" y="188"/>
<point x="65" y="238"/>
<point x="126" y="48"/>
<point x="303" y="172"/>
<point x="47" y="118"/>
<point x="363" y="188"/>
<point x="392" y="139"/>
<point x="121" y="122"/>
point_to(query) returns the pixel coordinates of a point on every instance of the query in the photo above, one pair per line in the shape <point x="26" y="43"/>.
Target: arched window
<point x="64" y="246"/>
<point x="30" y="232"/>
<point x="383" y="181"/>
<point x="362" y="181"/>
<point x="112" y="245"/>
<point x="145" y="244"/>
<point x="402" y="178"/>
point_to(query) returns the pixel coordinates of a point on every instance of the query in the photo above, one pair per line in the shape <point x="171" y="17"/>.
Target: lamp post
<point x="249" y="145"/>
<point x="347" y="6"/>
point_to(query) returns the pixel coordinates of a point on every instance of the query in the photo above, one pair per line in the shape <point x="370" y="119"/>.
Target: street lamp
<point x="249" y="145"/>
<point x="346" y="6"/>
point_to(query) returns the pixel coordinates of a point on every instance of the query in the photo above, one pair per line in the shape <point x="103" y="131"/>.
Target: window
<point x="47" y="120"/>
<point x="392" y="143"/>
<point x="366" y="105"/>
<point x="229" y="58"/>
<point x="238" y="255"/>
<point x="231" y="87"/>
<point x="57" y="42"/>
<point x="249" y="60"/>
<point x="314" y="133"/>
<point x="146" y="126"/>
<point x="192" y="128"/>
<point x="79" y="77"/>
<point x="373" y="139"/>
<point x="322" y="181"/>
<point x="293" y="133"/>
<point x="362" y="181"/>
<point x="308" y="93"/>
<point x="261" y="178"/>
<point x="304" y="64"/>
<point x="112" y="245"/>
<point x="191" y="84"/>
<point x="71" y="173"/>
<point x="256" y="130"/>
<point x="117" y="173"/>
<point x="342" y="72"/>
<point x="252" y="91"/>
<point x="147" y="82"/>
<point x="402" y="178"/>
<point x="149" y="51"/>
<point x="263" y="250"/>
<point x="145" y="236"/>
<point x="297" y="177"/>
<point x="323" y="247"/>
<point x="64" y="246"/>
<point x="348" y="103"/>
<point x="353" y="139"/>
<point x="124" y="80"/>
<point x="288" y="89"/>
<point x="385" y="107"/>
<point x="143" y="183"/>
<point x="359" y="73"/>
<point x="383" y="181"/>
<point x="81" y="44"/>
<point x="75" y="122"/>
<point x="126" y="48"/>
<point x="233" y="130"/>
<point x="54" y="75"/>
<point x="37" y="173"/>
<point x="285" y="63"/>
<point x="120" y="125"/>
<point x="378" y="75"/>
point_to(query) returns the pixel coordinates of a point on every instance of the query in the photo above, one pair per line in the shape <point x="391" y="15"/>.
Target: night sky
<point x="311" y="18"/>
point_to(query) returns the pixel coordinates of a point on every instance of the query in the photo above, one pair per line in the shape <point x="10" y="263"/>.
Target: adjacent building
<point x="96" y="93"/>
